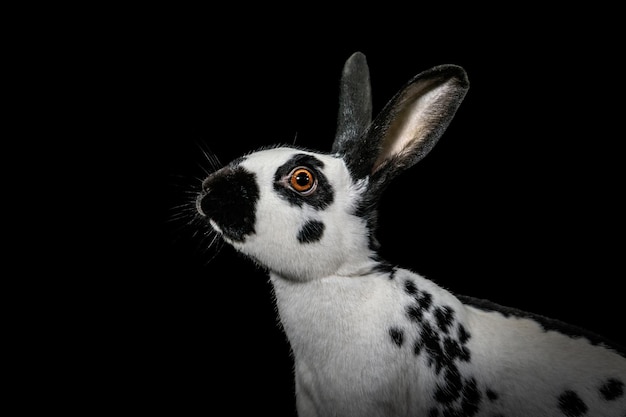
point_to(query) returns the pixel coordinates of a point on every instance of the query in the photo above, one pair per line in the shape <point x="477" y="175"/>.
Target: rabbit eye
<point x="303" y="181"/>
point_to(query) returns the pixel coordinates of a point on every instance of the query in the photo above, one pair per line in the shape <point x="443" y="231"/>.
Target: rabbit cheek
<point x="228" y="200"/>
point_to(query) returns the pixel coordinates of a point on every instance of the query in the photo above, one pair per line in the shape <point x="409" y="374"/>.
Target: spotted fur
<point x="374" y="339"/>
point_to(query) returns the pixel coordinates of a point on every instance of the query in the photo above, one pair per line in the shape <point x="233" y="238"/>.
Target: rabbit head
<point x="306" y="214"/>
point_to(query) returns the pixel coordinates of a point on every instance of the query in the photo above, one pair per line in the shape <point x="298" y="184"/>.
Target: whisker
<point x="189" y="226"/>
<point x="217" y="243"/>
<point x="209" y="156"/>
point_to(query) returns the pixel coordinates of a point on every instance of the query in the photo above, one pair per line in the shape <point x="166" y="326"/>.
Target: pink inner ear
<point x="419" y="112"/>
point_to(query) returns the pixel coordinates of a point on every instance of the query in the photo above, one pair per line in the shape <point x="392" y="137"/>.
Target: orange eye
<point x="302" y="180"/>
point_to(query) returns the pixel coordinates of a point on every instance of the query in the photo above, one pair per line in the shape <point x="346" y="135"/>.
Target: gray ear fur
<point x="355" y="102"/>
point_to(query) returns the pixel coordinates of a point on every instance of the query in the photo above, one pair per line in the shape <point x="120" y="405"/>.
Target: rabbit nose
<point x="199" y="205"/>
<point x="222" y="172"/>
<point x="205" y="200"/>
<point x="202" y="197"/>
<point x="206" y="184"/>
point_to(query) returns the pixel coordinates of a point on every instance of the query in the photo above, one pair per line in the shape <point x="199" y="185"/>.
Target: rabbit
<point x="369" y="338"/>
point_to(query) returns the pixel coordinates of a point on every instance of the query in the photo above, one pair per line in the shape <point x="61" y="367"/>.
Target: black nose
<point x="206" y="183"/>
<point x="209" y="195"/>
<point x="229" y="197"/>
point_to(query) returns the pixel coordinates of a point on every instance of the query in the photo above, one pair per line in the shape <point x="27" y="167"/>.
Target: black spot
<point x="415" y="313"/>
<point x="451" y="390"/>
<point x="397" y="335"/>
<point x="463" y="334"/>
<point x="458" y="350"/>
<point x="465" y="354"/>
<point x="229" y="197"/>
<point x="453" y="350"/>
<point x="409" y="287"/>
<point x="612" y="389"/>
<point x="312" y="231"/>
<point x="431" y="343"/>
<point x="571" y="404"/>
<point x="452" y="412"/>
<point x="417" y="347"/>
<point x="425" y="300"/>
<point x="492" y="395"/>
<point x="444" y="317"/>
<point x="471" y="398"/>
<point x="323" y="195"/>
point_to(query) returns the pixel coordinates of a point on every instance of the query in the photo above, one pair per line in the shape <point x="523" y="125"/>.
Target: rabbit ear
<point x="408" y="126"/>
<point x="355" y="101"/>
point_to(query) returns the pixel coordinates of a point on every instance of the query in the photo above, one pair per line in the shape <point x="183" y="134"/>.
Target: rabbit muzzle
<point x="228" y="201"/>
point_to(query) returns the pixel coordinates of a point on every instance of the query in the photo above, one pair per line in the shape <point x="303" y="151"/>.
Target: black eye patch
<point x="323" y="195"/>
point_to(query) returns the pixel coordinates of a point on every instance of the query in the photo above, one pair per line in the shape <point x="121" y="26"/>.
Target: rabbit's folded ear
<point x="408" y="126"/>
<point x="355" y="101"/>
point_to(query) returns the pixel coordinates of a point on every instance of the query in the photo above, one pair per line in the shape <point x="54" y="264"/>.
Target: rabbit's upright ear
<point x="355" y="101"/>
<point x="408" y="126"/>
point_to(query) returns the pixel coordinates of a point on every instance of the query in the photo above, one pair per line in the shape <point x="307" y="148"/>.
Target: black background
<point x="520" y="202"/>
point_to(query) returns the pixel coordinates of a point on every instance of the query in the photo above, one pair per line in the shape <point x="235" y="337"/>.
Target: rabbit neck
<point x="342" y="328"/>
<point x="338" y="309"/>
